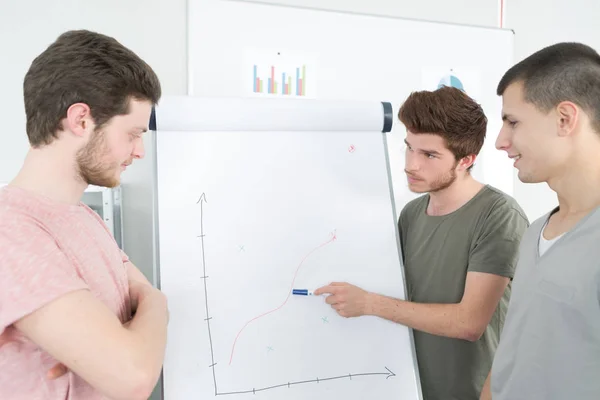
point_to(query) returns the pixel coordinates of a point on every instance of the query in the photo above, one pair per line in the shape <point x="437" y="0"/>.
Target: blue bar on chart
<point x="255" y="80"/>
<point x="258" y="83"/>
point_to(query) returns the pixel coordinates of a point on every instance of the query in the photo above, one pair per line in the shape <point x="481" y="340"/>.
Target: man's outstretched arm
<point x="464" y="320"/>
<point x="491" y="266"/>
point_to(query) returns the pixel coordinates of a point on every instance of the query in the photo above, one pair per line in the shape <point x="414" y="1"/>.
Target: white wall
<point x="156" y="29"/>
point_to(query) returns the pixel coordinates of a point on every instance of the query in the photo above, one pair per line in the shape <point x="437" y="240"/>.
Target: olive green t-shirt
<point x="438" y="252"/>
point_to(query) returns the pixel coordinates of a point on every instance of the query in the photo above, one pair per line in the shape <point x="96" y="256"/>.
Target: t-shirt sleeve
<point x="496" y="247"/>
<point x="34" y="271"/>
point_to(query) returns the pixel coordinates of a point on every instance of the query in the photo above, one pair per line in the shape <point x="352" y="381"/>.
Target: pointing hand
<point x="348" y="300"/>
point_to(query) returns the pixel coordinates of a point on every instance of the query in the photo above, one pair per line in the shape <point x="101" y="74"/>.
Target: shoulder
<point x="24" y="237"/>
<point x="498" y="215"/>
<point x="19" y="207"/>
<point x="16" y="221"/>
<point x="30" y="224"/>
<point x="536" y="226"/>
<point x="414" y="206"/>
<point x="499" y="202"/>
<point x="541" y="221"/>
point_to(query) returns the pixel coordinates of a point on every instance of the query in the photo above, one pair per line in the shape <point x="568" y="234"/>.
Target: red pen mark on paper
<point x="332" y="239"/>
<point x="351" y="148"/>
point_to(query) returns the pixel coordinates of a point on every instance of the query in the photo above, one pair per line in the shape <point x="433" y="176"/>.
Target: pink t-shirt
<point x="49" y="249"/>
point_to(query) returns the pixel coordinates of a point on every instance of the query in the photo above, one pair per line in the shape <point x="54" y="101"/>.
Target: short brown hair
<point x="567" y="71"/>
<point x="87" y="67"/>
<point x="449" y="113"/>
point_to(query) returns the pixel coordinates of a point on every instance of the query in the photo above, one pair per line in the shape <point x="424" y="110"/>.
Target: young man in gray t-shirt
<point x="550" y="345"/>
<point x="459" y="244"/>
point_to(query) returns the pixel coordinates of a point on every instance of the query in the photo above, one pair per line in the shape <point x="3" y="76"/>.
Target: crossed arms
<point x="120" y="361"/>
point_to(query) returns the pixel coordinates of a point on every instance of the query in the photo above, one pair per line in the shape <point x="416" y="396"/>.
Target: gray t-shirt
<point x="439" y="251"/>
<point x="550" y="345"/>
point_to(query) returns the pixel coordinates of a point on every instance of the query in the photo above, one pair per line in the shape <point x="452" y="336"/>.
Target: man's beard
<point x="92" y="170"/>
<point x="443" y="181"/>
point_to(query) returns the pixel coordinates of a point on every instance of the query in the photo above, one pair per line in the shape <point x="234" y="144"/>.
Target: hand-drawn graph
<point x="384" y="372"/>
<point x="332" y="239"/>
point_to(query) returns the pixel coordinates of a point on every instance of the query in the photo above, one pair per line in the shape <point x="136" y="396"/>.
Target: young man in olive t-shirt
<point x="459" y="243"/>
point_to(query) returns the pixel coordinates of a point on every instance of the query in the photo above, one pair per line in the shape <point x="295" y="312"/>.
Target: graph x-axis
<point x="388" y="374"/>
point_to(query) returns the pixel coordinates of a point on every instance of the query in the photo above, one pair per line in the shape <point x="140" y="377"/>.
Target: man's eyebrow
<point x="506" y="116"/>
<point x="437" y="153"/>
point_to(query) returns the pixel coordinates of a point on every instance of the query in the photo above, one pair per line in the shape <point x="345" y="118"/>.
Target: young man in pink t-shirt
<point x="77" y="319"/>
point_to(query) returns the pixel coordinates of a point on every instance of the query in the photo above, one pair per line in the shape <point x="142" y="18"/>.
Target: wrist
<point x="371" y="300"/>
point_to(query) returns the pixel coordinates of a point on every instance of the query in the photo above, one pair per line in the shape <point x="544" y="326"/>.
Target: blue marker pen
<point x="302" y="292"/>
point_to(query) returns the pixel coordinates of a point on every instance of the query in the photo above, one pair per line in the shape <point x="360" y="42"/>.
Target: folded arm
<point x="84" y="335"/>
<point x="51" y="305"/>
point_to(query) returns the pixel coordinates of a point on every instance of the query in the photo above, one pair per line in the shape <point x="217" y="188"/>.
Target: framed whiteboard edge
<point x="159" y="389"/>
<point x="413" y="350"/>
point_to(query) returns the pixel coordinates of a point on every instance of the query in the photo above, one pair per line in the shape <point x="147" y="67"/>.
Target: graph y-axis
<point x="201" y="201"/>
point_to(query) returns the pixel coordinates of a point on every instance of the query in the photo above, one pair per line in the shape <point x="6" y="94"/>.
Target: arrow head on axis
<point x="390" y="373"/>
<point x="202" y="198"/>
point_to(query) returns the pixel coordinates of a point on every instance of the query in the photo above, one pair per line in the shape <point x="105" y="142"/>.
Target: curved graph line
<point x="333" y="238"/>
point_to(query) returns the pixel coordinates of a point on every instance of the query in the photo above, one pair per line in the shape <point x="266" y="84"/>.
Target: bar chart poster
<point x="466" y="79"/>
<point x="280" y="73"/>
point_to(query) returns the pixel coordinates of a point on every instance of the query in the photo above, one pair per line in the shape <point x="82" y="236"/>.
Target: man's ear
<point x="79" y="120"/>
<point x="568" y="116"/>
<point x="466" y="162"/>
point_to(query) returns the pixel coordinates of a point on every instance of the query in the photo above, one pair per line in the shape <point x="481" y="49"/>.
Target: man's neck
<point x="453" y="197"/>
<point x="578" y="187"/>
<point x="48" y="173"/>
